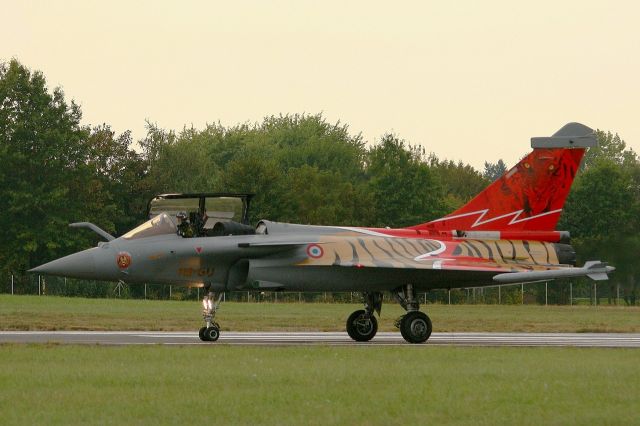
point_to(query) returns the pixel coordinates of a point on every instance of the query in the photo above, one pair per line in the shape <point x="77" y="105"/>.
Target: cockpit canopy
<point x="212" y="207"/>
<point x="204" y="214"/>
<point x="162" y="224"/>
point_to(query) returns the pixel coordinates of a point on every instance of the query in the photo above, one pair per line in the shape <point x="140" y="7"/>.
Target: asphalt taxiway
<point x="613" y="340"/>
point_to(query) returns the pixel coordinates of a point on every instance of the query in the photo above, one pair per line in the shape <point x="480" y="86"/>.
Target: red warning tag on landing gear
<point x="123" y="259"/>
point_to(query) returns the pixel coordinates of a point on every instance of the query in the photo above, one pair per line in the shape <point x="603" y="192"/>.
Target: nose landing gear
<point x="211" y="331"/>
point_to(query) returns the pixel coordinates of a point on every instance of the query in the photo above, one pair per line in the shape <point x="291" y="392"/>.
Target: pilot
<point x="197" y="224"/>
<point x="184" y="227"/>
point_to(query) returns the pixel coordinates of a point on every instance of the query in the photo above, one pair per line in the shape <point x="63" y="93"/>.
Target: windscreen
<point x="159" y="225"/>
<point x="173" y="206"/>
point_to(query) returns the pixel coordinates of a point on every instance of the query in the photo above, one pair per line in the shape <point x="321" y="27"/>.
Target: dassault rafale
<point x="506" y="234"/>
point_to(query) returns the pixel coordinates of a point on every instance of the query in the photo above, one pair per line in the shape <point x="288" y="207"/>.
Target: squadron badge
<point x="123" y="259"/>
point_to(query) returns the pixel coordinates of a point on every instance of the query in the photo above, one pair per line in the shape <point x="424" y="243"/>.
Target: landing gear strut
<point x="415" y="326"/>
<point x="211" y="331"/>
<point x="362" y="325"/>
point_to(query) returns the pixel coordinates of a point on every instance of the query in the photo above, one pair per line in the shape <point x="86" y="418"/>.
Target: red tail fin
<point x="530" y="196"/>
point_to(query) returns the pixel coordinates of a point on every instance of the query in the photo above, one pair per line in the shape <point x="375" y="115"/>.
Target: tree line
<point x="302" y="168"/>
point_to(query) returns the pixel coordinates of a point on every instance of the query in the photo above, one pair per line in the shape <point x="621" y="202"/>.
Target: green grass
<point x="42" y="384"/>
<point x="60" y="313"/>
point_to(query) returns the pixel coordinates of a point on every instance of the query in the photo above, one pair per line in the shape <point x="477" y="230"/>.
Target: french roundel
<point x="314" y="251"/>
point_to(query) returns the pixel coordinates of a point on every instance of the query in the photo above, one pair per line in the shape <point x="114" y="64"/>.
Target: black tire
<point x="416" y="327"/>
<point x="201" y="333"/>
<point x="211" y="334"/>
<point x="362" y="327"/>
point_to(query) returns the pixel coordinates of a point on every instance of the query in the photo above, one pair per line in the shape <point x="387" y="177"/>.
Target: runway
<point x="609" y="340"/>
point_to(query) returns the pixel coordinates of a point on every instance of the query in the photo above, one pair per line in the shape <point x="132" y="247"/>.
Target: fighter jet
<point x="506" y="234"/>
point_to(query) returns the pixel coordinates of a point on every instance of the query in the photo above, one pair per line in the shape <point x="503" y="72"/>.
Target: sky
<point x="468" y="80"/>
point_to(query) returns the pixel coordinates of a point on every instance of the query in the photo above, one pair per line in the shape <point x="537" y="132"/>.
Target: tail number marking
<point x="190" y="272"/>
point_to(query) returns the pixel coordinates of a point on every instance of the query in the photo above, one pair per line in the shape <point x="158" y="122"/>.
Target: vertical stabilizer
<point x="531" y="195"/>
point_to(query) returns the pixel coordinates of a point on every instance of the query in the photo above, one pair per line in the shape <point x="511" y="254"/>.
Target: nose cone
<point x="77" y="265"/>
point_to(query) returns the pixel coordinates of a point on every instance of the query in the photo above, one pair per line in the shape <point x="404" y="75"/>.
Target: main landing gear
<point x="415" y="326"/>
<point x="211" y="331"/>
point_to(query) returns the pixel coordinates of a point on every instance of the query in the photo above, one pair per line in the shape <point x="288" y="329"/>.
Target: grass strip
<point x="64" y="313"/>
<point x="50" y="384"/>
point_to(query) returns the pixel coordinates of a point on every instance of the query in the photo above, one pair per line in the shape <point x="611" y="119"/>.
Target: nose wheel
<point x="209" y="334"/>
<point x="211" y="331"/>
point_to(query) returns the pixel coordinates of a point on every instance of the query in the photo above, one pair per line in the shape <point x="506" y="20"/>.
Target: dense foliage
<point x="603" y="211"/>
<point x="53" y="171"/>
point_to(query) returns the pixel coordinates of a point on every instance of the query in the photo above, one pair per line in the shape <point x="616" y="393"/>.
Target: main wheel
<point x="361" y="326"/>
<point x="211" y="334"/>
<point x="201" y="333"/>
<point x="415" y="327"/>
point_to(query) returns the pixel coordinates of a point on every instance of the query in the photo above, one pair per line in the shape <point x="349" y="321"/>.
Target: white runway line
<point x="620" y="340"/>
